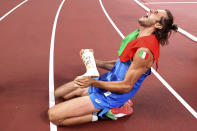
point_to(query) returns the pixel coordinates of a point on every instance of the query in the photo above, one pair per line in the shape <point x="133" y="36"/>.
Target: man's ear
<point x="158" y="26"/>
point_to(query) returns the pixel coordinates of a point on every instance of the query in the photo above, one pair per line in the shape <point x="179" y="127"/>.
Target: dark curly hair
<point x="163" y="34"/>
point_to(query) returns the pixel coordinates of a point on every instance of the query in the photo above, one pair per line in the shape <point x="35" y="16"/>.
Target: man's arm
<point x="107" y="65"/>
<point x="136" y="69"/>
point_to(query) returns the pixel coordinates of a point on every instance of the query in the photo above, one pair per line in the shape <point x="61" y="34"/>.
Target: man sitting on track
<point x="113" y="89"/>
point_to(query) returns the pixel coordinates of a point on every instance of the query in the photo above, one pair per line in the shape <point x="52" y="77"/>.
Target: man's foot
<point x="115" y="113"/>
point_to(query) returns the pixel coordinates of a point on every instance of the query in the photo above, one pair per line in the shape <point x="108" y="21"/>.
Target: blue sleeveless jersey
<point x="103" y="99"/>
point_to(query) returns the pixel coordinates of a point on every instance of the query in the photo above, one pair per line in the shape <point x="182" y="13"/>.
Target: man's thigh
<point x="73" y="108"/>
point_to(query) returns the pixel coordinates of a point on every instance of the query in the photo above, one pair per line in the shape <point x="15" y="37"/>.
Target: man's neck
<point x="145" y="31"/>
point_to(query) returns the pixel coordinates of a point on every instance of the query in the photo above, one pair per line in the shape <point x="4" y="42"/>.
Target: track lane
<point x="79" y="28"/>
<point x="7" y="5"/>
<point x="25" y="42"/>
<point x="12" y="10"/>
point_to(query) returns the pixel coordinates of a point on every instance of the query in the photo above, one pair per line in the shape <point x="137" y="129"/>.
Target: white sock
<point x="94" y="117"/>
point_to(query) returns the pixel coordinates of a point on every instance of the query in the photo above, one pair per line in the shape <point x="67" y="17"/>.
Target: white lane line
<point x="153" y="3"/>
<point x="187" y="106"/>
<point x="110" y="20"/>
<point x="12" y="10"/>
<point x="185" y="33"/>
<point x="143" y="6"/>
<point x="51" y="66"/>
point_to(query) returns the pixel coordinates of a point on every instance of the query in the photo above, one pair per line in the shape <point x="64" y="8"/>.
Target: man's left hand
<point x="83" y="81"/>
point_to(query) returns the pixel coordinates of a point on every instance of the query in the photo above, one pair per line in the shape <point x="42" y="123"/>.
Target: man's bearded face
<point x="152" y="17"/>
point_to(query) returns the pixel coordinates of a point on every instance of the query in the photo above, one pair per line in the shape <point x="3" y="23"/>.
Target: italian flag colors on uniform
<point x="143" y="55"/>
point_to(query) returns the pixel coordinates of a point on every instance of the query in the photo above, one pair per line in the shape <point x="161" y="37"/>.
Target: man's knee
<point x="53" y="118"/>
<point x="57" y="93"/>
<point x="51" y="115"/>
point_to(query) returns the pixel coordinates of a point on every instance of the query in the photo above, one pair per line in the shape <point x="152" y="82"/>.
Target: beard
<point x="145" y="22"/>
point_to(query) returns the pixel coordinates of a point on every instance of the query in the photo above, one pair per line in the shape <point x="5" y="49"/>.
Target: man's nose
<point x="152" y="11"/>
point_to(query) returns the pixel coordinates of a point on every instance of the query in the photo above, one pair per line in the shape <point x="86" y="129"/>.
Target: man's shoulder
<point x="144" y="56"/>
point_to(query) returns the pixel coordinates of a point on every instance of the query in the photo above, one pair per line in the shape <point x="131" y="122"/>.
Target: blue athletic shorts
<point x="97" y="101"/>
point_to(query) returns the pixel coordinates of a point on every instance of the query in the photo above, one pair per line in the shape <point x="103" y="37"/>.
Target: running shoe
<point x="129" y="102"/>
<point x="115" y="113"/>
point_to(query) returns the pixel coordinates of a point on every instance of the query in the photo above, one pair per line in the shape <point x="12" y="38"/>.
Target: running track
<point x="25" y="37"/>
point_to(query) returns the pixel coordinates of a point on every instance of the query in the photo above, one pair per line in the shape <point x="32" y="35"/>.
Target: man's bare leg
<point x="72" y="111"/>
<point x="76" y="93"/>
<point x="76" y="120"/>
<point x="68" y="91"/>
<point x="65" y="89"/>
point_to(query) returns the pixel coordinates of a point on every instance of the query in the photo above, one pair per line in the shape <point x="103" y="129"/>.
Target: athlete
<point x="113" y="89"/>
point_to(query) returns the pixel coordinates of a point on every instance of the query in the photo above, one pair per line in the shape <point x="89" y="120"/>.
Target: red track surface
<point x="7" y="5"/>
<point x="25" y="40"/>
